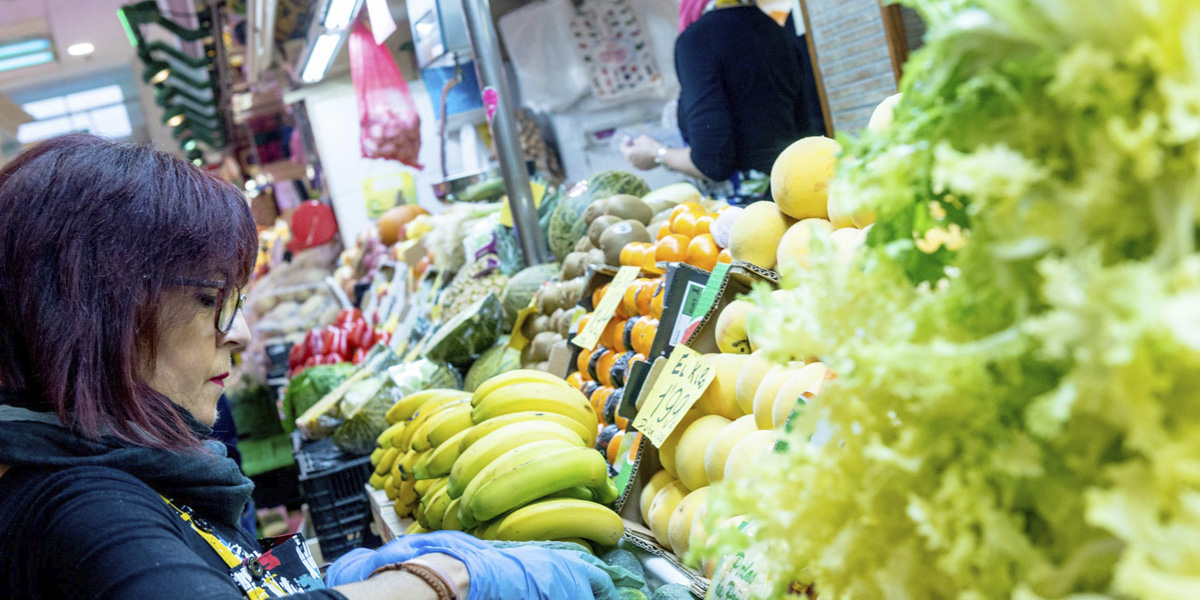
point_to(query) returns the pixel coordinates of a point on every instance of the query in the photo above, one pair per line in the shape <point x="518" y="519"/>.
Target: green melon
<point x="567" y="225"/>
<point x="498" y="359"/>
<point x="463" y="338"/>
<point x="358" y="434"/>
<point x="521" y="288"/>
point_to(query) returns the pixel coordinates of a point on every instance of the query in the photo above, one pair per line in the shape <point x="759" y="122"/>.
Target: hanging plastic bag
<point x="390" y="127"/>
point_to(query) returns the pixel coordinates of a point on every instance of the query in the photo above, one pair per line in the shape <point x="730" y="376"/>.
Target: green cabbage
<point x="1016" y="412"/>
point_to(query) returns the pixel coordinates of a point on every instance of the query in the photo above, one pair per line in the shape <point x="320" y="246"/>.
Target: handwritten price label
<point x="603" y="313"/>
<point x="683" y="380"/>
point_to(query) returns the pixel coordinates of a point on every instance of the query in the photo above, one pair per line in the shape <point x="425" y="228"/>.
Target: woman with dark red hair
<point x="742" y="95"/>
<point x="121" y="278"/>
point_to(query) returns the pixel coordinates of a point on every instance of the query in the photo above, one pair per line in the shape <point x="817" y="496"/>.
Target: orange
<point x="599" y="397"/>
<point x="581" y="362"/>
<point x="672" y="248"/>
<point x="583" y="321"/>
<point x="612" y="332"/>
<point x="629" y="301"/>
<point x="638" y="329"/>
<point x="702" y="252"/>
<point x="621" y="423"/>
<point x="633" y="450"/>
<point x="597" y="295"/>
<point x="664" y="230"/>
<point x="614" y="446"/>
<point x="576" y="380"/>
<point x="604" y="368"/>
<point x="656" y="304"/>
<point x="650" y="261"/>
<point x="627" y="254"/>
<point x="703" y="224"/>
<point x="683" y="207"/>
<point x="644" y="295"/>
<point x="685" y="223"/>
<point x="725" y="256"/>
<point x="645" y="341"/>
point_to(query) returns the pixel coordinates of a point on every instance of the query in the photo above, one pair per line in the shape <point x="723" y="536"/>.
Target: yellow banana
<point x="564" y="400"/>
<point x="405" y="465"/>
<point x="419" y="515"/>
<point x="451" y="419"/>
<point x="376" y="456"/>
<point x="483" y="452"/>
<point x="450" y="520"/>
<point x="562" y="518"/>
<point x="386" y="462"/>
<point x="546" y="474"/>
<point x="486" y="531"/>
<point x="504" y="463"/>
<point x="376" y="481"/>
<point x="406" y="493"/>
<point x="439" y="484"/>
<point x="442" y="458"/>
<point x="422" y="487"/>
<point x="385" y="439"/>
<point x="588" y="435"/>
<point x="418" y="426"/>
<point x="389" y="486"/>
<point x="509" y="378"/>
<point x="607" y="493"/>
<point x="406" y="407"/>
<point x="587" y="547"/>
<point x="576" y="492"/>
<point x="415" y="528"/>
<point x="403" y="439"/>
<point x="419" y="469"/>
<point x="435" y="510"/>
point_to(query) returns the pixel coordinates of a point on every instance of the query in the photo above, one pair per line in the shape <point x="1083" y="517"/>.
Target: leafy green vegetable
<point x="308" y="387"/>
<point x="1016" y="412"/>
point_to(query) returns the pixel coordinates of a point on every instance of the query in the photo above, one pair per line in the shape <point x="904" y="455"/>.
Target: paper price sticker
<point x="682" y="382"/>
<point x="587" y="338"/>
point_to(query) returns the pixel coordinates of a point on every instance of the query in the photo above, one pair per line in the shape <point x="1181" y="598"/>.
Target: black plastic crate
<point x="331" y="483"/>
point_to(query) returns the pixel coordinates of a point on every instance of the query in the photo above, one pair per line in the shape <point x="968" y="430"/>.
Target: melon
<point x="801" y="176"/>
<point x="521" y="287"/>
<point x="756" y="234"/>
<point x="498" y="359"/>
<point x="567" y="224"/>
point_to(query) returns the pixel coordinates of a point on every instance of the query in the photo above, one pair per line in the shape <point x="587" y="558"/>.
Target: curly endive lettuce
<point x="1017" y="413"/>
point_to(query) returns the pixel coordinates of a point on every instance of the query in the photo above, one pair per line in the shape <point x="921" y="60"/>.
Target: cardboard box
<point x="740" y="279"/>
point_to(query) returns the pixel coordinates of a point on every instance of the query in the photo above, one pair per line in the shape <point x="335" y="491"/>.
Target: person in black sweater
<point x="121" y="307"/>
<point x="741" y="96"/>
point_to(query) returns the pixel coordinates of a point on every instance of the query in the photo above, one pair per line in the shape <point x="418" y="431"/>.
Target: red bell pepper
<point x="359" y="355"/>
<point x="347" y="316"/>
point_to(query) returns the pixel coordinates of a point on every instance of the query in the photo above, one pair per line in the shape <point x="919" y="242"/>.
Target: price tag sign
<point x="682" y="382"/>
<point x="587" y="338"/>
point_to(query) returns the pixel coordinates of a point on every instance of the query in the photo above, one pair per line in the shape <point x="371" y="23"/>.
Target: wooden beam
<point x="816" y="66"/>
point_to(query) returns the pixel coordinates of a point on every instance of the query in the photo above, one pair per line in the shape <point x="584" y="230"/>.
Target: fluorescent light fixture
<point x="26" y="60"/>
<point x="80" y="49"/>
<point x="339" y="13"/>
<point x="320" y="57"/>
<point x="26" y="46"/>
<point x="175" y="120"/>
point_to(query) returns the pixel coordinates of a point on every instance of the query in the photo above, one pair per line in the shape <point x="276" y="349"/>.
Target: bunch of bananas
<point x="513" y="461"/>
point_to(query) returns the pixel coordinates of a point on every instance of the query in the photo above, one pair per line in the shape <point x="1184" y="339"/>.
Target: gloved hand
<point x="358" y="564"/>
<point x="532" y="573"/>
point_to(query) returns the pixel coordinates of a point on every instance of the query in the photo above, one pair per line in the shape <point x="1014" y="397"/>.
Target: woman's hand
<point x="528" y="572"/>
<point x="642" y="152"/>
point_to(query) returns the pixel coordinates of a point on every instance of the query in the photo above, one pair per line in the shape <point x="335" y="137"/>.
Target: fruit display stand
<point x="389" y="525"/>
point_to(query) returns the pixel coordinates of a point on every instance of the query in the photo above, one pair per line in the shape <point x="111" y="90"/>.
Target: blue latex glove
<point x="358" y="564"/>
<point x="531" y="573"/>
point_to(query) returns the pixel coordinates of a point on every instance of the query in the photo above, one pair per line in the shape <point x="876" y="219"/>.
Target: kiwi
<point x="541" y="324"/>
<point x="575" y="265"/>
<point x="527" y="356"/>
<point x="599" y="225"/>
<point x="529" y="327"/>
<point x="628" y="207"/>
<point x="584" y="244"/>
<point x="556" y="320"/>
<point x="541" y="345"/>
<point x="615" y="237"/>
<point x="661" y="206"/>
<point x="595" y="209"/>
<point x="597" y="257"/>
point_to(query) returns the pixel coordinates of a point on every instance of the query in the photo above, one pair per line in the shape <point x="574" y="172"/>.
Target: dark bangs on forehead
<point x="203" y="224"/>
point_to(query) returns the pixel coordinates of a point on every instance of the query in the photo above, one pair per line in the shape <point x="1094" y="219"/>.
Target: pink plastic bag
<point x="389" y="124"/>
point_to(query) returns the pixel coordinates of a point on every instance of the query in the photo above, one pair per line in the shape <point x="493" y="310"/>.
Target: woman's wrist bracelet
<point x="427" y="574"/>
<point x="660" y="156"/>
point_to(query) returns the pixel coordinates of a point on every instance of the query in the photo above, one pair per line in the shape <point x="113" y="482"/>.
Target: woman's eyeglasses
<point x="228" y="304"/>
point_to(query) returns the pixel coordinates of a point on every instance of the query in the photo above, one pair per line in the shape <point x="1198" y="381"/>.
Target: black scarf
<point x="206" y="480"/>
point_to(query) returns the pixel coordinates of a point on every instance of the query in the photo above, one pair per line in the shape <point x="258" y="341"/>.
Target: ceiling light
<point x="156" y="72"/>
<point x="23" y="47"/>
<point x="80" y="49"/>
<point x="26" y="60"/>
<point x="175" y="120"/>
<point x="320" y="57"/>
<point x="339" y="13"/>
